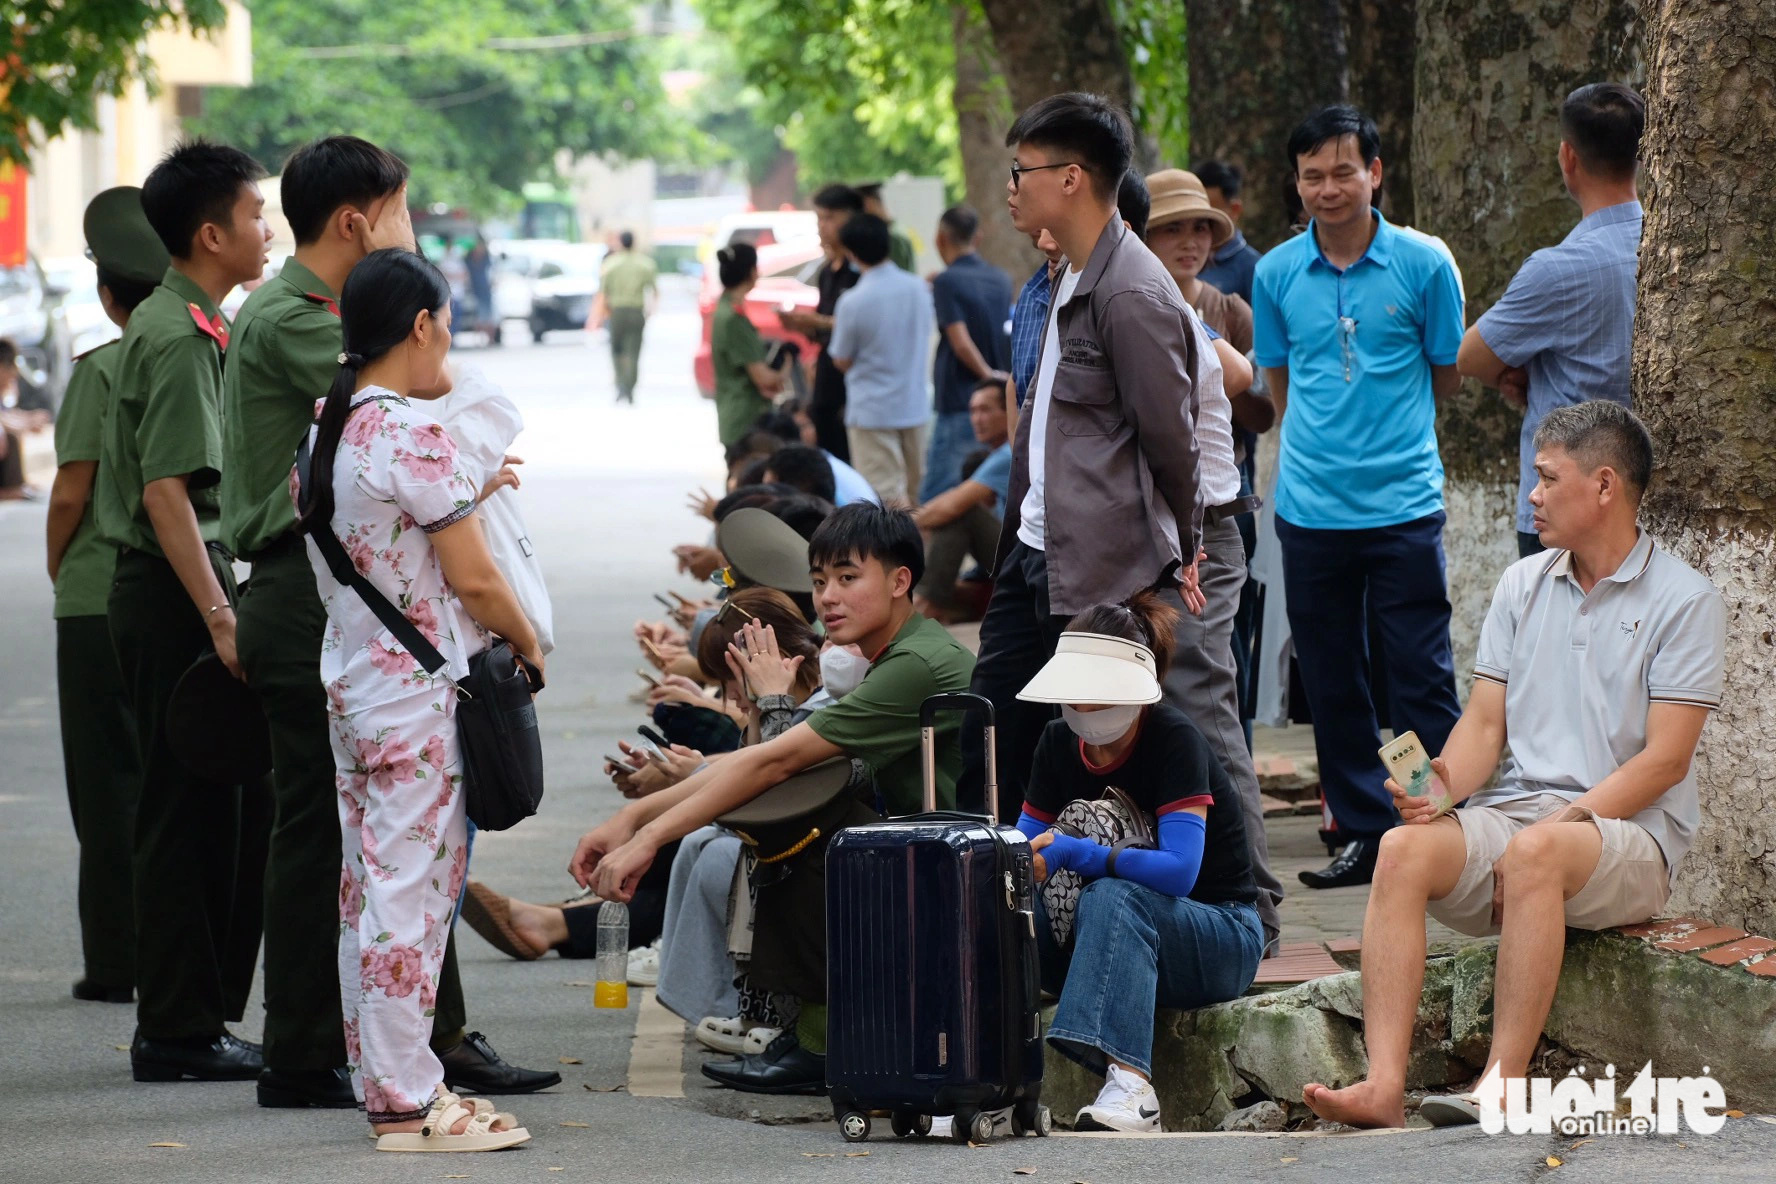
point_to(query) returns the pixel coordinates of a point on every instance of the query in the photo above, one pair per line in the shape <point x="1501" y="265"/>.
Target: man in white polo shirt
<point x="1599" y="662"/>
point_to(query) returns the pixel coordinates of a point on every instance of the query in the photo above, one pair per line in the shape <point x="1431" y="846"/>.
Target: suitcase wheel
<point x="972" y="1126"/>
<point x="906" y="1123"/>
<point x="855" y="1126"/>
<point x="1032" y="1118"/>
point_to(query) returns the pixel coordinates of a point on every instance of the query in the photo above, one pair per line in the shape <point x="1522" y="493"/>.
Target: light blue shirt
<point x="849" y="484"/>
<point x="1568" y="318"/>
<point x="995" y="473"/>
<point x="1359" y="439"/>
<point x="883" y="325"/>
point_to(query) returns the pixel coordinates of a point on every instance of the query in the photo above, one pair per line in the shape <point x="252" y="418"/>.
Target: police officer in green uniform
<point x="626" y="290"/>
<point x="98" y="730"/>
<point x="155" y="498"/>
<point x="343" y="197"/>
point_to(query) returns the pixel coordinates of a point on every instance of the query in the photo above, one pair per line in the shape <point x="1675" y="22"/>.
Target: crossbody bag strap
<point x="346" y="572"/>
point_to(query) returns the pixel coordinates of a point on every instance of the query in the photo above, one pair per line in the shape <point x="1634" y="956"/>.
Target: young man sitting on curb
<point x="865" y="562"/>
<point x="1599" y="662"/>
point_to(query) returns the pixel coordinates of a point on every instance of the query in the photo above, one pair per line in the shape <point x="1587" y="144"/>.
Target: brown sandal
<point x="490" y="914"/>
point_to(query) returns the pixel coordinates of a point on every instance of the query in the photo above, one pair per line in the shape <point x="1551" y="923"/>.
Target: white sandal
<point x="723" y="1034"/>
<point x="448" y="1110"/>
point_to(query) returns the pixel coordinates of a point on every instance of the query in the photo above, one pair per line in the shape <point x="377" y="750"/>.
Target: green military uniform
<point x="628" y="276"/>
<point x="735" y="344"/>
<point x="282" y="358"/>
<point x="198" y="844"/>
<point x="900" y="249"/>
<point x="98" y="731"/>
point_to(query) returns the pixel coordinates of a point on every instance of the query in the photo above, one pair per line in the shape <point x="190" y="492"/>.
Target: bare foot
<point x="1363" y="1104"/>
<point x="543" y="926"/>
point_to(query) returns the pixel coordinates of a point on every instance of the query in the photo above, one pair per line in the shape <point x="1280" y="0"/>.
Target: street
<point x="604" y="494"/>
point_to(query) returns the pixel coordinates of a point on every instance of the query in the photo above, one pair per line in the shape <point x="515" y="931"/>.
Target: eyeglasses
<point x="1018" y="170"/>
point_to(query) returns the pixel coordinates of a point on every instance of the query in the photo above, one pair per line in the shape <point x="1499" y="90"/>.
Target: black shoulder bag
<point x="496" y="723"/>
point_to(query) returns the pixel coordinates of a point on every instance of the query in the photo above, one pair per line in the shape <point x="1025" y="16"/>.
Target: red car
<point x="781" y="267"/>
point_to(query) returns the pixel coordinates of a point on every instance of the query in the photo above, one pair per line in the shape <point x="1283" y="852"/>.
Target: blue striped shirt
<point x="1029" y="319"/>
<point x="1568" y="318"/>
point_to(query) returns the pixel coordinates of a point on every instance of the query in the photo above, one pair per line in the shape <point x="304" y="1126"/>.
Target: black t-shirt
<point x="1171" y="767"/>
<point x="829" y="380"/>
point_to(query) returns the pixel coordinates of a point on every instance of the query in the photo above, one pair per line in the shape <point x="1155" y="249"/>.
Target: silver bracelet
<point x="216" y="608"/>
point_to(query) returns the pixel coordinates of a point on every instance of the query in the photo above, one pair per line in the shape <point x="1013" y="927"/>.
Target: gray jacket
<point x="1122" y="493"/>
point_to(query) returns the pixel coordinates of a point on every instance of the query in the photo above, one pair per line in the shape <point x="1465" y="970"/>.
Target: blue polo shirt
<point x="1359" y="439"/>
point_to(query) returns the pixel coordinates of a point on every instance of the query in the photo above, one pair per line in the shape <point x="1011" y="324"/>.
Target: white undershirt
<point x="1032" y="517"/>
<point x="1220" y="476"/>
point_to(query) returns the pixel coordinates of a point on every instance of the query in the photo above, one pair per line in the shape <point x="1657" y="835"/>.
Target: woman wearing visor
<point x="1167" y="915"/>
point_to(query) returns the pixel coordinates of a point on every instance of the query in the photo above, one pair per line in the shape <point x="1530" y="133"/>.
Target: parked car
<point x="566" y="281"/>
<point x="85" y="325"/>
<point x="786" y="274"/>
<point x="28" y="318"/>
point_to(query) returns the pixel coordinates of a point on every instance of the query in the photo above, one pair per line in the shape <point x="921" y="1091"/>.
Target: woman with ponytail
<point x="1167" y="916"/>
<point x="744" y="385"/>
<point x="384" y="480"/>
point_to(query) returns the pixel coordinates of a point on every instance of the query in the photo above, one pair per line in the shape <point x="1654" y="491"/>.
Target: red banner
<point x="13" y="184"/>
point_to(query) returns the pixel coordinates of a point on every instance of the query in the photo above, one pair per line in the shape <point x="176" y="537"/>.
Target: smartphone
<point x="1409" y="765"/>
<point x="681" y="600"/>
<point x="655" y="738"/>
<point x="648" y="676"/>
<point x="670" y="607"/>
<point x="621" y="762"/>
<point x="653" y="651"/>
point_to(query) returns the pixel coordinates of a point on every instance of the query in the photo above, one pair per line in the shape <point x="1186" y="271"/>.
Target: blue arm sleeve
<point x="1030" y="827"/>
<point x="1172" y="869"/>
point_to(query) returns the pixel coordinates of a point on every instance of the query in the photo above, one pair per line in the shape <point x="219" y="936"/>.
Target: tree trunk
<point x="1705" y="381"/>
<point x="1050" y="46"/>
<point x="1256" y="69"/>
<point x="1381" y="39"/>
<point x="983" y="113"/>
<point x="1486" y="128"/>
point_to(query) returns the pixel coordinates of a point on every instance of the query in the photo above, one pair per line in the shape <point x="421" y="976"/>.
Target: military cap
<point x="796" y="797"/>
<point x="119" y="238"/>
<point x="765" y="550"/>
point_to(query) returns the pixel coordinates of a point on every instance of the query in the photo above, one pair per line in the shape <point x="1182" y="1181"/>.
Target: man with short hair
<point x="171" y="601"/>
<point x="865" y="562"/>
<point x="834" y="205"/>
<point x="1562" y="333"/>
<point x="1235" y="260"/>
<point x="1598" y="665"/>
<point x="900" y="247"/>
<point x="1111" y="426"/>
<point x="973" y="299"/>
<point x="803" y="468"/>
<point x="628" y="287"/>
<point x="1357" y="324"/>
<point x="965" y="519"/>
<point x="881" y="332"/>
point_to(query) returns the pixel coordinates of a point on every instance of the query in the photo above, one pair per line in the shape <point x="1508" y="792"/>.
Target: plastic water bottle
<point x="612" y="986"/>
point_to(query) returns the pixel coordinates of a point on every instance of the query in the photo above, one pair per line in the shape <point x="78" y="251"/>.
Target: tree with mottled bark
<point x="983" y="112"/>
<point x="1705" y="381"/>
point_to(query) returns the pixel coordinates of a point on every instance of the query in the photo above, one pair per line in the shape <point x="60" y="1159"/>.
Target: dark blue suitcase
<point x="932" y="985"/>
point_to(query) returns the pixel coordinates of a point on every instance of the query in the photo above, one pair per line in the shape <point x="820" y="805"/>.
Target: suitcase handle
<point x="928" y="713"/>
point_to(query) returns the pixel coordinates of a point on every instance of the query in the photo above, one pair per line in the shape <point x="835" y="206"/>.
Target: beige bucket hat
<point x="1177" y="194"/>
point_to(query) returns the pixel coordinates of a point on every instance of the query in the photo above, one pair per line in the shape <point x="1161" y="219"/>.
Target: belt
<point x="283" y="544"/>
<point x="1216" y="515"/>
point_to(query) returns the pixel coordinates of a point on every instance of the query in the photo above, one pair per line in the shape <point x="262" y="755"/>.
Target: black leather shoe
<point x="304" y="1089"/>
<point x="221" y="1058"/>
<point x="473" y="1065"/>
<point x="1354" y="864"/>
<point x="92" y="992"/>
<point x="785" y="1067"/>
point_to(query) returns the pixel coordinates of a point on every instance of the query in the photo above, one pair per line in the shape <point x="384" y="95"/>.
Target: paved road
<point x="604" y="493"/>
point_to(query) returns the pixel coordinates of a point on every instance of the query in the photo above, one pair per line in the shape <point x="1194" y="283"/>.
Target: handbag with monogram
<point x="1113" y="821"/>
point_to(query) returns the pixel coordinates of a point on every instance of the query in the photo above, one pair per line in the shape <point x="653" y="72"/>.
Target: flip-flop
<point x="490" y="914"/>
<point x="447" y="1110"/>
<point x="1450" y="1109"/>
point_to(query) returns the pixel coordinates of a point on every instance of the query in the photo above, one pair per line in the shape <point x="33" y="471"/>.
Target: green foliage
<point x="1153" y="31"/>
<point x="65" y="53"/>
<point x="859" y="88"/>
<point x="473" y="121"/>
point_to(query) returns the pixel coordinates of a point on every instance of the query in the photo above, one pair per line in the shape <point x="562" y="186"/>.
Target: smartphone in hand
<point x="1409" y="765"/>
<point x="648" y="676"/>
<point x="655" y="738"/>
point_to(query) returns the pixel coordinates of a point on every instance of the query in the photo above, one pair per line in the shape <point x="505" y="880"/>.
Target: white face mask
<point x="842" y="671"/>
<point x="1101" y="727"/>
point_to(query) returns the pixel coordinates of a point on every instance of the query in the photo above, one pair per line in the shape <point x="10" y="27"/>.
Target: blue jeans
<point x="1336" y="581"/>
<point x="1135" y="950"/>
<point x="952" y="439"/>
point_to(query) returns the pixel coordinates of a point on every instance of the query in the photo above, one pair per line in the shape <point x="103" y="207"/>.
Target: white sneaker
<point x="644" y="966"/>
<point x="758" y="1039"/>
<point x="1126" y="1103"/>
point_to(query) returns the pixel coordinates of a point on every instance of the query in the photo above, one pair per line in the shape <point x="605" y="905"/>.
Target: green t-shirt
<point x="282" y="357"/>
<point x="83" y="583"/>
<point x="627" y="278"/>
<point x="900" y="250"/>
<point x="166" y="413"/>
<point x="879" y="721"/>
<point x="734" y="344"/>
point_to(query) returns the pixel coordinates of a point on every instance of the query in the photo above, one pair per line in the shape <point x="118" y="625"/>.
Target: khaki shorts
<point x="1629" y="884"/>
